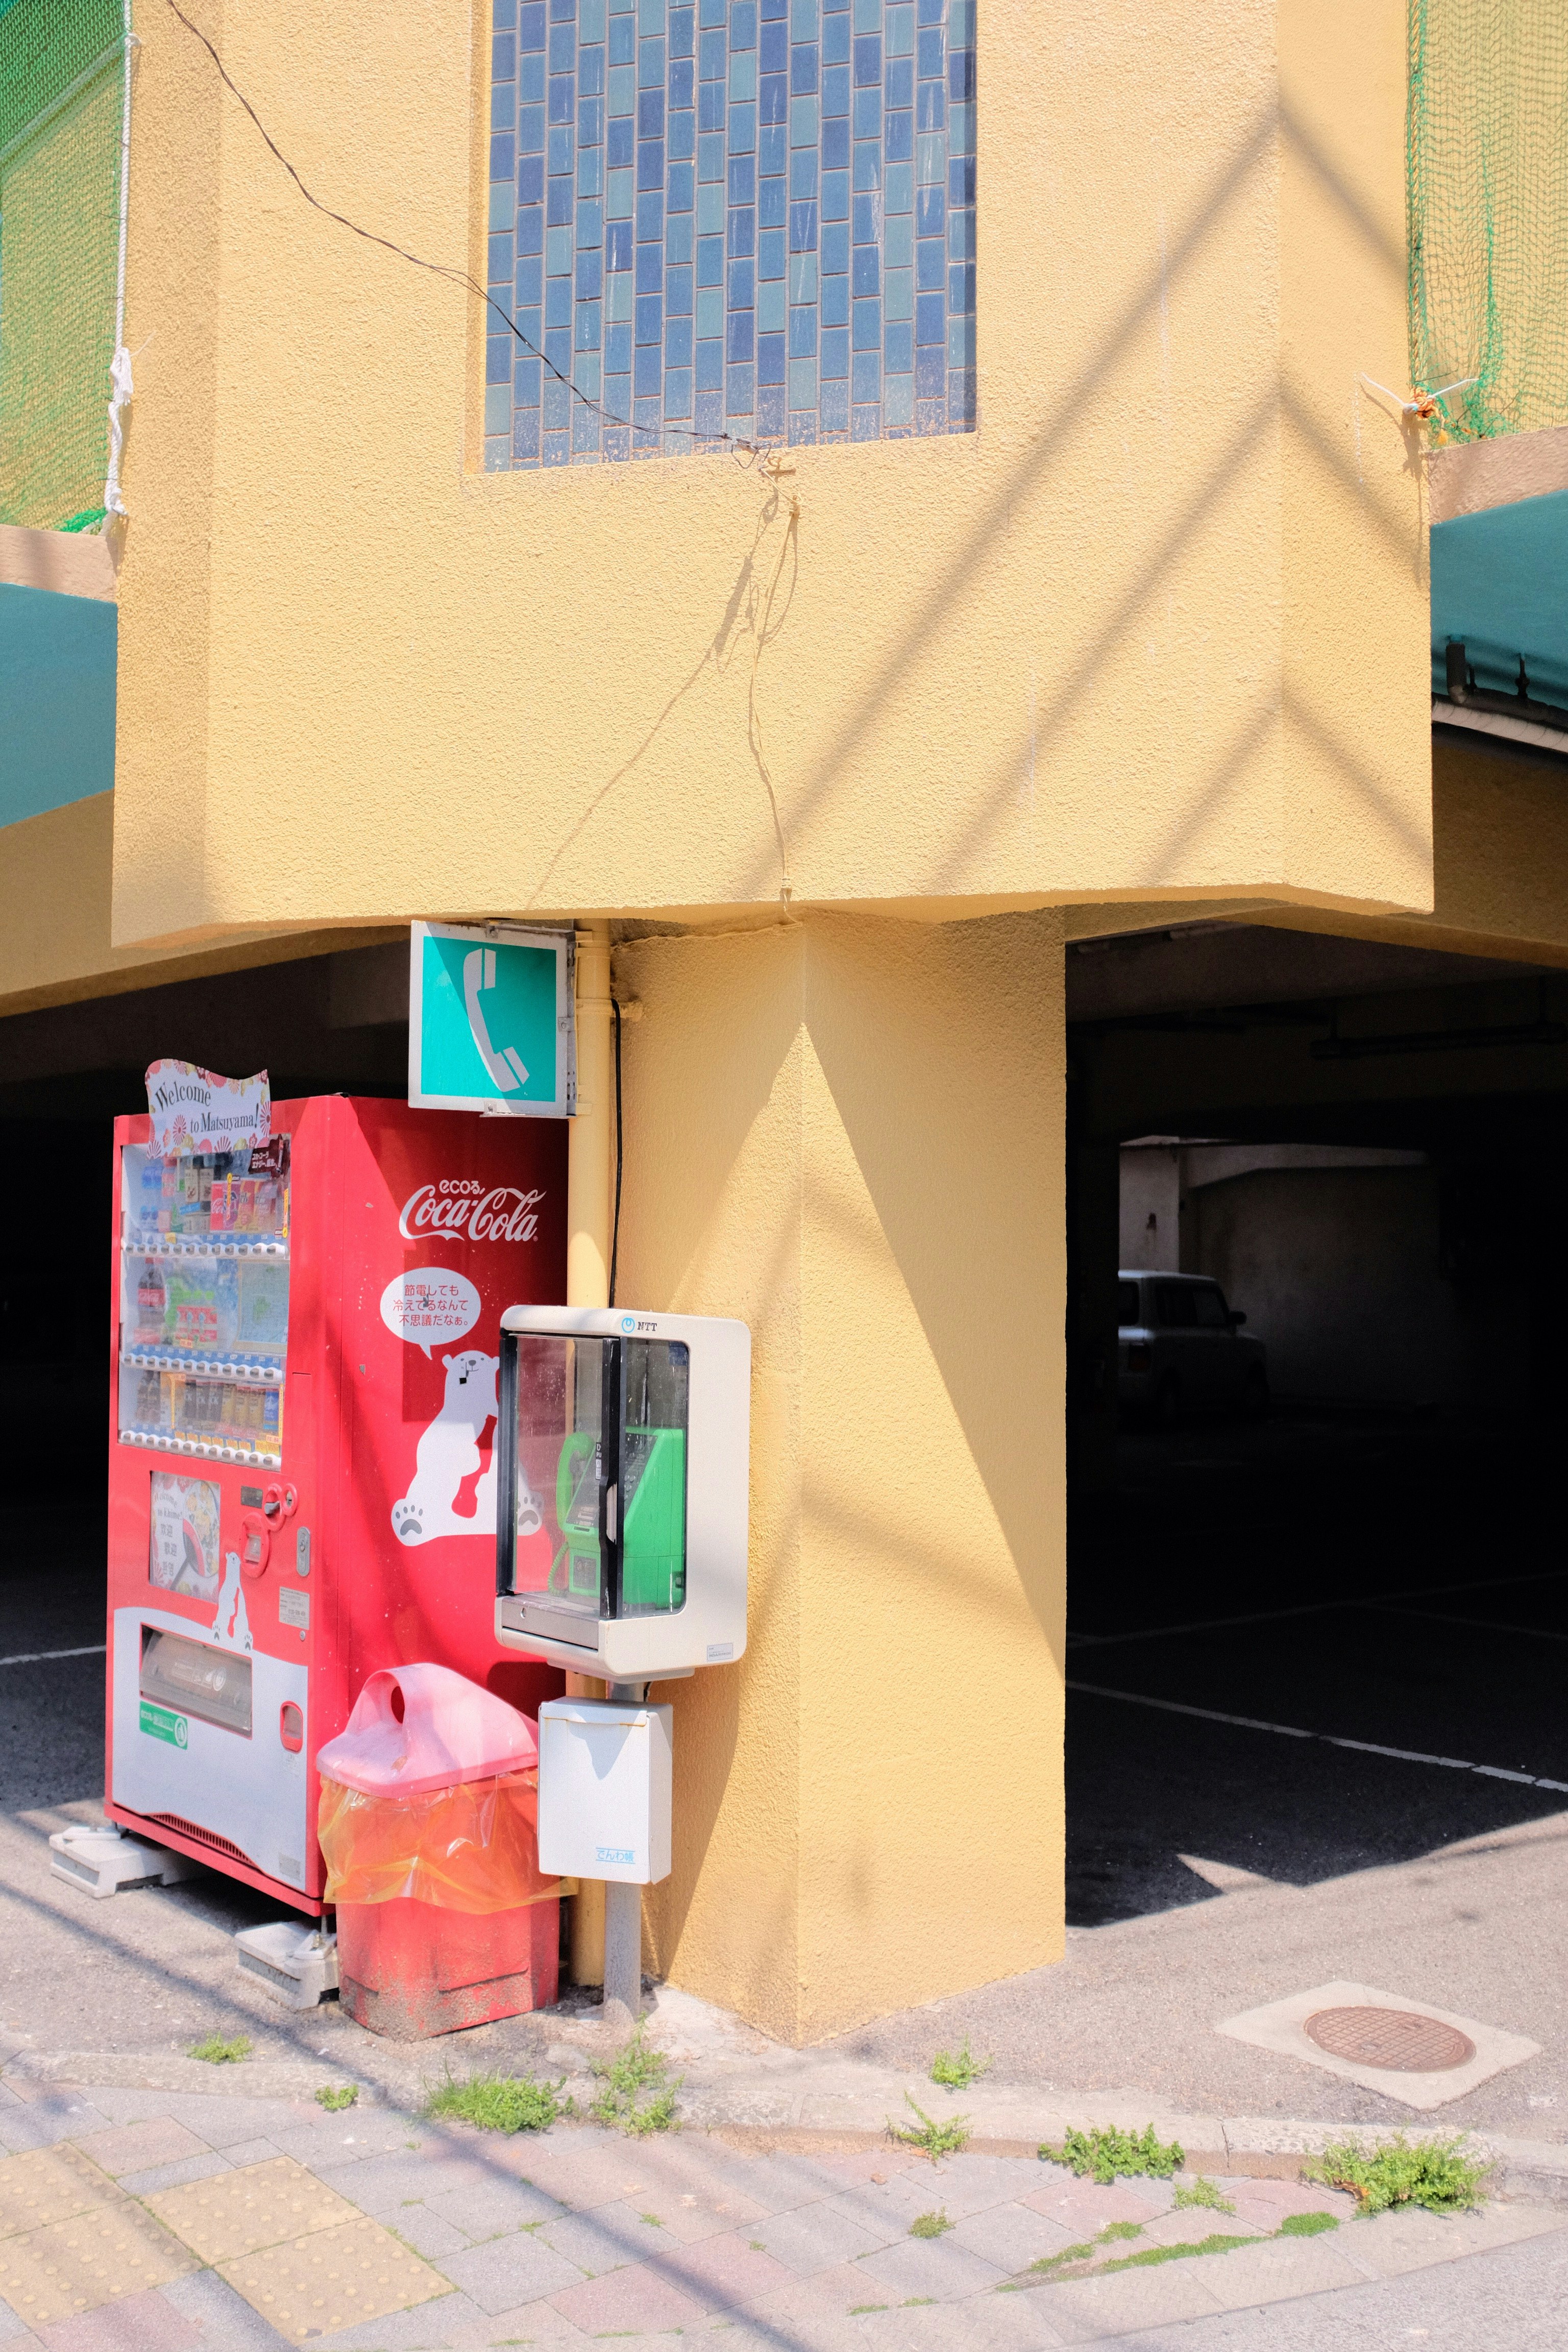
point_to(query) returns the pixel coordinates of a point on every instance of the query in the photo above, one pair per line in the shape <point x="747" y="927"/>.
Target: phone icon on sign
<point x="505" y="1067"/>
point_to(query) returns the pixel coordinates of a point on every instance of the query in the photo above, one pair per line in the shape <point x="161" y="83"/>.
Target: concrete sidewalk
<point x="133" y="2219"/>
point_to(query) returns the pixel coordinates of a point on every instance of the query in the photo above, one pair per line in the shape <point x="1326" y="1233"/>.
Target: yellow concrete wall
<point x="849" y="1132"/>
<point x="1048" y="660"/>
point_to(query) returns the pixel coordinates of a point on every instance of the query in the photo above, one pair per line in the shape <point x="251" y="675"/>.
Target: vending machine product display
<point x="302" y="1475"/>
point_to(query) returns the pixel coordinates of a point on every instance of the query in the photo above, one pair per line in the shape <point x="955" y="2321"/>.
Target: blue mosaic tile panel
<point x="751" y="218"/>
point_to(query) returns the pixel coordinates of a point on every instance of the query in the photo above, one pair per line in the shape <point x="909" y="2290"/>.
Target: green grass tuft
<point x="503" y="2103"/>
<point x="930" y="2225"/>
<point x="1151" y="2255"/>
<point x="636" y="2098"/>
<point x="215" y="2052"/>
<point x="956" y="2070"/>
<point x="1305" y="2225"/>
<point x="1203" y="2191"/>
<point x="1107" y="2154"/>
<point x="336" y="2099"/>
<point x="1428" y="2172"/>
<point x="933" y="2139"/>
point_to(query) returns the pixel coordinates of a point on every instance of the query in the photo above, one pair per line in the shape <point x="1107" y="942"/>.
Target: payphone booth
<point x="621" y="1454"/>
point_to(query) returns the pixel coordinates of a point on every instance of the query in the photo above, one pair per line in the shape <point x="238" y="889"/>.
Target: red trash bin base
<point x="407" y="1970"/>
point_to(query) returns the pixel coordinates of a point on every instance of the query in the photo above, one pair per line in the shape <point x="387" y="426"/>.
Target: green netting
<point x="61" y="63"/>
<point x="1487" y="195"/>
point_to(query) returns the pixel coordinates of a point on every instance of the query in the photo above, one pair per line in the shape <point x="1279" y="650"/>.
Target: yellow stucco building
<point x="1093" y="597"/>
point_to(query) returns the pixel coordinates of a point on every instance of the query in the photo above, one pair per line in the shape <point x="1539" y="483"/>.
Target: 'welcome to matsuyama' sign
<point x="196" y="1110"/>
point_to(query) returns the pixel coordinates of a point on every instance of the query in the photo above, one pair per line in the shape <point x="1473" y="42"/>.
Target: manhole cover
<point x="1396" y="2039"/>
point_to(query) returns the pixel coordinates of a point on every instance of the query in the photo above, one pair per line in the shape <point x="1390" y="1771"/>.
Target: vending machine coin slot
<point x="256" y="1545"/>
<point x="291" y="1727"/>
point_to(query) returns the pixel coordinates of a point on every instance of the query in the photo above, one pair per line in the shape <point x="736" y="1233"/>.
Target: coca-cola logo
<point x="469" y="1210"/>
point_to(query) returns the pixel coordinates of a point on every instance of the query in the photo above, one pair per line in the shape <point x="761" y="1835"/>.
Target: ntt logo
<point x="628" y="1322"/>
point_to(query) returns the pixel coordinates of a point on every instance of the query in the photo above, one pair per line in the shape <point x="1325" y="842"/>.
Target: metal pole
<point x="623" y="1954"/>
<point x="588" y="1284"/>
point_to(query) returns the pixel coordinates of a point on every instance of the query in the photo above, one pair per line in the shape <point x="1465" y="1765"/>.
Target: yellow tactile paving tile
<point x="50" y="2184"/>
<point x="235" y="2213"/>
<point x="97" y="2256"/>
<point x="334" y="2278"/>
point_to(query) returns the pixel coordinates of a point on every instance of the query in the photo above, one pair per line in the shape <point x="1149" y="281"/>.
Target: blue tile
<point x="682" y="85"/>
<point x="562" y="98"/>
<point x="616" y="445"/>
<point x="740" y="391"/>
<point x="770" y="359"/>
<point x="560" y="205"/>
<point x="930" y="54"/>
<point x="738" y="322"/>
<point x="650" y="269"/>
<point x="497" y="359"/>
<point x="709" y="408"/>
<point x="898" y="402"/>
<point x="678" y="292"/>
<point x="772" y="99"/>
<point x="500" y="268"/>
<point x="771" y="204"/>
<point x="834" y="91"/>
<point x="557" y="449"/>
<point x="867" y="60"/>
<point x="960" y="343"/>
<point x="803" y="228"/>
<point x="525" y="437"/>
<point x="650" y="216"/>
<point x="682" y="32"/>
<point x="931" y="265"/>
<point x="590" y="276"/>
<point x="961" y="289"/>
<point x="677" y="392"/>
<point x="867" y="326"/>
<point x="559" y="147"/>
<point x="503" y="108"/>
<point x="930" y="107"/>
<point x="899" y="349"/>
<point x="531" y="27"/>
<point x="681" y="191"/>
<point x="677" y="241"/>
<point x="648" y="370"/>
<point x="834" y="357"/>
<point x="834" y="303"/>
<point x="709" y="312"/>
<point x="591" y="73"/>
<point x="835" y="247"/>
<point x="743" y="180"/>
<point x="584" y="427"/>
<point x="503" y="156"/>
<point x="558" y="303"/>
<point x="555" y="408"/>
<point x="770" y="255"/>
<point x="709" y="261"/>
<point x="650" y="165"/>
<point x="742" y="232"/>
<point x="805" y="67"/>
<point x="868" y="118"/>
<point x="803" y="177"/>
<point x="961" y="73"/>
<point x="898" y="82"/>
<point x="803" y="428"/>
<point x="836" y="146"/>
<point x="590" y="171"/>
<point x="743" y="24"/>
<point x="650" y="114"/>
<point x="525" y="378"/>
<point x="562" y="48"/>
<point x="771" y="410"/>
<point x="772" y="46"/>
<point x="530" y="179"/>
<point x="866" y="277"/>
<point x="868" y="168"/>
<point x="710" y="160"/>
<point x="865" y="220"/>
<point x="618" y="245"/>
<point x="835" y="40"/>
<point x="834" y="401"/>
<point x="742" y="130"/>
<point x="835" y="195"/>
<point x="899" y="138"/>
<point x="802" y="277"/>
<point x="651" y="65"/>
<point x="868" y="423"/>
<point x="678" y="343"/>
<point x="649" y="318"/>
<point x="961" y="399"/>
<point x="930" y="319"/>
<point x="710" y="367"/>
<point x="618" y="349"/>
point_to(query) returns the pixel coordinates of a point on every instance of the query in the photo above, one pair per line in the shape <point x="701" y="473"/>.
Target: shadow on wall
<point x="1341" y="1270"/>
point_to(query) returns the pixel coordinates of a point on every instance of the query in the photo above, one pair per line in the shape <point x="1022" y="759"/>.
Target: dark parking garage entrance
<point x="1332" y="1639"/>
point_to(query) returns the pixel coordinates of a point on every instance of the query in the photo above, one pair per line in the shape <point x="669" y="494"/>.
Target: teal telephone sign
<point x="490" y="1020"/>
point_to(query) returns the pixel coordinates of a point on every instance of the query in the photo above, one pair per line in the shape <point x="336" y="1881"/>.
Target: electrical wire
<point x="751" y="449"/>
<point x="615" y="1226"/>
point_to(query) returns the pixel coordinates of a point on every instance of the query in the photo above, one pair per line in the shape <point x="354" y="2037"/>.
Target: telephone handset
<point x="506" y="1067"/>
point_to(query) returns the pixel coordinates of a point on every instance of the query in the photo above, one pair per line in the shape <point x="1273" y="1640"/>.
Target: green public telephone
<point x="652" y="1488"/>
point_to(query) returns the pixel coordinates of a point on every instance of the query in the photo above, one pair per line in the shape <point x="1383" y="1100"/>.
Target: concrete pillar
<point x="849" y="1132"/>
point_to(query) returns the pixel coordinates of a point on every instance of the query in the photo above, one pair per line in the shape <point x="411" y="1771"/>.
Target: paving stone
<point x="1081" y="2311"/>
<point x="635" y="2300"/>
<point x="519" y="2268"/>
<point x="536" y="2323"/>
<point x="933" y="2266"/>
<point x="724" y="2272"/>
<point x="1277" y="2268"/>
<point x="49" y="2185"/>
<point x="425" y="2232"/>
<point x="239" y="2212"/>
<point x="581" y="2172"/>
<point x="26" y="2127"/>
<point x="379" y="2183"/>
<point x="997" y="2323"/>
<point x="138" y="2147"/>
<point x="175" y="2176"/>
<point x="99" y="2254"/>
<point x="1391" y="2243"/>
<point x="14" y="2330"/>
<point x="813" y="2237"/>
<point x="823" y="2299"/>
<point x="345" y="2139"/>
<point x="135" y="2323"/>
<point x="333" y="2279"/>
<point x="1084" y="2207"/>
<point x="220" y="2118"/>
<point x="253" y="2151"/>
<point x="225" y="2322"/>
<point x="1194" y="2222"/>
<point x="496" y="2205"/>
<point x="426" y="2327"/>
<point x="1012" y="2236"/>
<point x="605" y="2240"/>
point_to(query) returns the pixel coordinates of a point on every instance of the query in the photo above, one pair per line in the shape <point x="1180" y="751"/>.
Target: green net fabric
<point x="1487" y="192"/>
<point x="61" y="63"/>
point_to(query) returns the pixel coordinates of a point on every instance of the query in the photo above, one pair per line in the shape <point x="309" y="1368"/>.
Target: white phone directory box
<point x="605" y="1790"/>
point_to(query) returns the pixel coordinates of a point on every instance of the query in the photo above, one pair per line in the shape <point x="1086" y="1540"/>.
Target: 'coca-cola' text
<point x="503" y="1215"/>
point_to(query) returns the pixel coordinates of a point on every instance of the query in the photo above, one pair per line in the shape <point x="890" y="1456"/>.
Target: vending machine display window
<point x="622" y="1527"/>
<point x="204" y="1320"/>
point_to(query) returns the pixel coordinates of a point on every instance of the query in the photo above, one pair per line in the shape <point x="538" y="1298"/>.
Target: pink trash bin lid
<point x="419" y="1727"/>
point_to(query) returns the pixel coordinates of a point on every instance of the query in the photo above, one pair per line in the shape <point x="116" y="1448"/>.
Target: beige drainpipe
<point x="588" y="1182"/>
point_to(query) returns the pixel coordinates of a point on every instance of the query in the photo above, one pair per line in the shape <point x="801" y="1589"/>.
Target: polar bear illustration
<point x="447" y="1453"/>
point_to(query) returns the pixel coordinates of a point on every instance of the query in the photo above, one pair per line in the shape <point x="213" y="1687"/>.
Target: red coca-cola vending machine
<point x="305" y="1338"/>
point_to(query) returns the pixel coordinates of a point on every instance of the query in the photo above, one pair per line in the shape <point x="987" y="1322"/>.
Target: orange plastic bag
<point x="473" y="1848"/>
